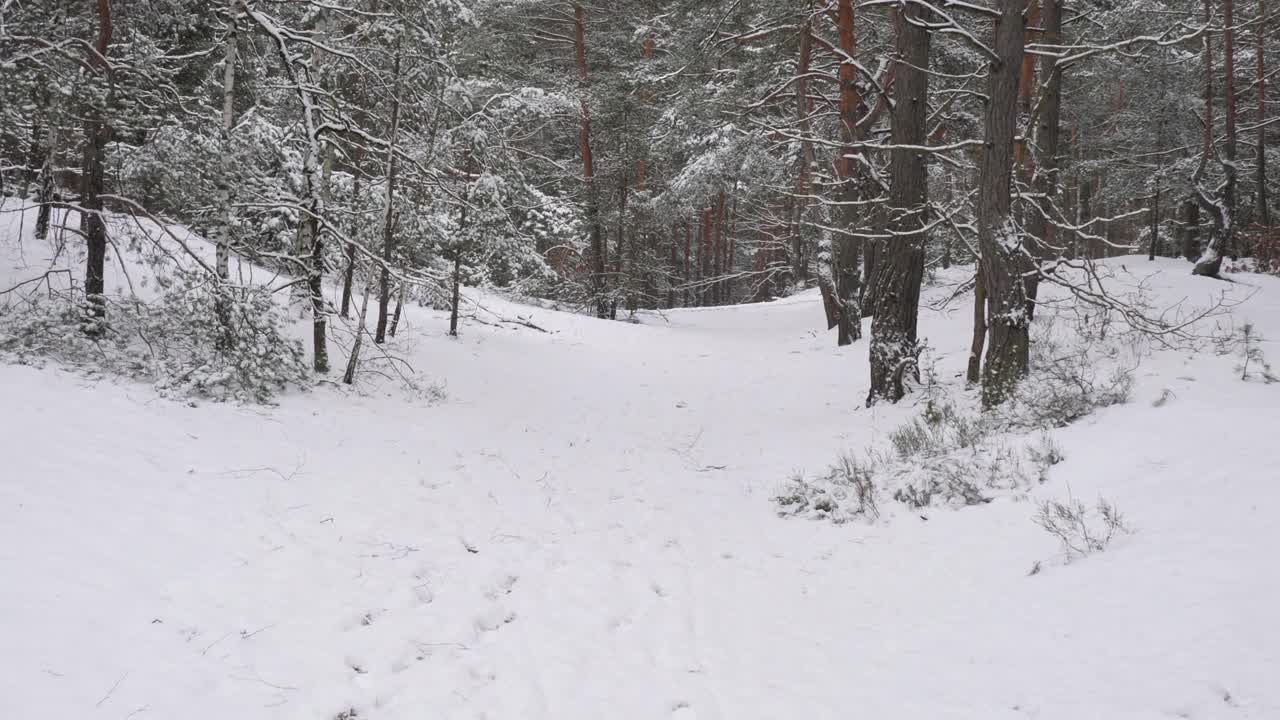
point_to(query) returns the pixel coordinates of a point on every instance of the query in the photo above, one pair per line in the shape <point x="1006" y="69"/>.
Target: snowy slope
<point x="583" y="530"/>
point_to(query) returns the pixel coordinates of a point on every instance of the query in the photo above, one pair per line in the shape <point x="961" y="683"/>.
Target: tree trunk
<point x="44" y="191"/>
<point x="848" y="249"/>
<point x="96" y="135"/>
<point x="1048" y="138"/>
<point x="395" y="317"/>
<point x="1005" y="263"/>
<point x="1210" y="262"/>
<point x="598" y="250"/>
<point x="223" y="239"/>
<point x="348" y="275"/>
<point x="1155" y="221"/>
<point x="388" y="218"/>
<point x="1191" y="231"/>
<point x="688" y="247"/>
<point x="349" y="376"/>
<point x="457" y="292"/>
<point x="896" y="295"/>
<point x="974" y="374"/>
<point x="1260" y="32"/>
<point x="1229" y="94"/>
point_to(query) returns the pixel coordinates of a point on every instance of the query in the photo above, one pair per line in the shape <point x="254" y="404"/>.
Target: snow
<point x="583" y="529"/>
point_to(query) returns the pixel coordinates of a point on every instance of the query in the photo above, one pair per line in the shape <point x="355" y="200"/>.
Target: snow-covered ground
<point x="584" y="530"/>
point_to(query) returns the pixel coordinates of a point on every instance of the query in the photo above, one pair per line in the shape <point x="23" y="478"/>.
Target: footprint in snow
<point x="682" y="711"/>
<point x="492" y="619"/>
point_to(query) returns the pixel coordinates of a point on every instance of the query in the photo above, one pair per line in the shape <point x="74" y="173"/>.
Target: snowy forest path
<point x="583" y="529"/>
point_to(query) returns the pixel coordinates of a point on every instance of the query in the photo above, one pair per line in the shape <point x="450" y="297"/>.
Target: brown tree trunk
<point x="1004" y="262"/>
<point x="1260" y="32"/>
<point x="1210" y="262"/>
<point x="847" y="249"/>
<point x="974" y="374"/>
<point x="598" y="250"/>
<point x="349" y="377"/>
<point x="44" y="190"/>
<point x="896" y="294"/>
<point x="1048" y="138"/>
<point x="395" y="317"/>
<point x="1191" y="230"/>
<point x="688" y="248"/>
<point x="1229" y="93"/>
<point x="348" y="275"/>
<point x="96" y="135"/>
<point x="389" y="214"/>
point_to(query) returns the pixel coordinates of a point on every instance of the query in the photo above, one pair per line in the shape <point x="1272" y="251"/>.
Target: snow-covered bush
<point x="946" y="458"/>
<point x="1072" y="374"/>
<point x="1081" y="532"/>
<point x="199" y="340"/>
<point x="846" y="491"/>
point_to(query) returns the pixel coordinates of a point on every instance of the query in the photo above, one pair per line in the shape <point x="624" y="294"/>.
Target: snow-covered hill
<point x="584" y="529"/>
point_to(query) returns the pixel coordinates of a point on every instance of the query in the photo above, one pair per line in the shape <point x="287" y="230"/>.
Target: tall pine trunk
<point x="1005" y="263"/>
<point x="388" y="217"/>
<point x="848" y="248"/>
<point x="1048" y="134"/>
<point x="223" y="240"/>
<point x="599" y="252"/>
<point x="1210" y="262"/>
<point x="1260" y="33"/>
<point x="1229" y="96"/>
<point x="896" y="293"/>
<point x="96" y="135"/>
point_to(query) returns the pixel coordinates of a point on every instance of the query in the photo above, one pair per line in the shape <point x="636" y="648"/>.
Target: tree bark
<point x="388" y="218"/>
<point x="395" y="317"/>
<point x="1229" y="95"/>
<point x="848" y="249"/>
<point x="1005" y="263"/>
<point x="96" y="135"/>
<point x="896" y="295"/>
<point x="1191" y="231"/>
<point x="1260" y="32"/>
<point x="44" y="190"/>
<point x="974" y="374"/>
<point x="349" y="252"/>
<point x="1210" y="262"/>
<point x="598" y="250"/>
<point x="1048" y="137"/>
<point x="222" y="250"/>
<point x="349" y="377"/>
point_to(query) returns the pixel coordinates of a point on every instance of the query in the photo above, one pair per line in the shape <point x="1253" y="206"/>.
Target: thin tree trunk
<point x="44" y="191"/>
<point x="388" y="218"/>
<point x="349" y="376"/>
<point x="1260" y="32"/>
<point x="1210" y="262"/>
<point x="1191" y="230"/>
<point x="1048" y="138"/>
<point x="598" y="249"/>
<point x="456" y="280"/>
<point x="688" y="246"/>
<point x="974" y="374"/>
<point x="848" y="249"/>
<point x="96" y="135"/>
<point x="456" y="298"/>
<point x="223" y="240"/>
<point x="1004" y="263"/>
<point x="1155" y="202"/>
<point x="349" y="252"/>
<point x="1229" y="95"/>
<point x="395" y="317"/>
<point x="896" y="294"/>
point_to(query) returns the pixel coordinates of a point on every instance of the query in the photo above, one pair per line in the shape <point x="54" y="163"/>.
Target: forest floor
<point x="583" y="528"/>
